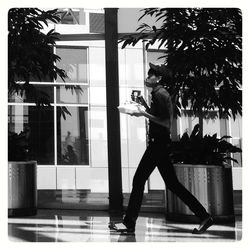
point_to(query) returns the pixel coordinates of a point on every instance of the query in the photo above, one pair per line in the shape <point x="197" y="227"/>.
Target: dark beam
<point x="113" y="116"/>
<point x="89" y="37"/>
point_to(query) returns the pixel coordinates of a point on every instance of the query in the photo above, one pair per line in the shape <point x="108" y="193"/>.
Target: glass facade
<point x="40" y="122"/>
<point x="76" y="96"/>
<point x="69" y="138"/>
<point x="74" y="62"/>
<point x="59" y="133"/>
<point x="75" y="125"/>
<point x="73" y="137"/>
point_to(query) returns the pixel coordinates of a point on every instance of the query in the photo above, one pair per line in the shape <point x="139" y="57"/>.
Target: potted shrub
<point x="22" y="181"/>
<point x="30" y="57"/>
<point x="202" y="165"/>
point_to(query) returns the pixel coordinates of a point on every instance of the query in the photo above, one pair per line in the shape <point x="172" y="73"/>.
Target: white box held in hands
<point x="129" y="107"/>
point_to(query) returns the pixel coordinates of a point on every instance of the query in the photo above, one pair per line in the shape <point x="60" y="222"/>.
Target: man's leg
<point x="145" y="168"/>
<point x="168" y="174"/>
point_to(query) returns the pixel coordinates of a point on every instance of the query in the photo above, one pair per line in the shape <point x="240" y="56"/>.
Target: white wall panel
<point x="237" y="178"/>
<point x="46" y="178"/>
<point x="95" y="179"/>
<point x="97" y="95"/>
<point x="136" y="140"/>
<point x="83" y="178"/>
<point x="97" y="69"/>
<point x="126" y="185"/>
<point x="72" y="29"/>
<point x="124" y="140"/>
<point x="66" y="178"/>
<point x="134" y="68"/>
<point x="122" y="66"/>
<point x="98" y="137"/>
<point x="99" y="180"/>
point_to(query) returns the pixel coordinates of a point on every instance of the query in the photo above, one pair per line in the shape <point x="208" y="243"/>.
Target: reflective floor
<point x="88" y="226"/>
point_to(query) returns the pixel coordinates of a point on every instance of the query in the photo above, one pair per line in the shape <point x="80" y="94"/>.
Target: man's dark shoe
<point x="205" y="224"/>
<point x="121" y="228"/>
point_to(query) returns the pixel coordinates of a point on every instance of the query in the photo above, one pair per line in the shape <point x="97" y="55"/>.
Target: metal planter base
<point x="22" y="188"/>
<point x="211" y="185"/>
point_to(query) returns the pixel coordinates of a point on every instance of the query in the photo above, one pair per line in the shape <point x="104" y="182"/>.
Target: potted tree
<point x="202" y="49"/>
<point x="202" y="165"/>
<point x="30" y="57"/>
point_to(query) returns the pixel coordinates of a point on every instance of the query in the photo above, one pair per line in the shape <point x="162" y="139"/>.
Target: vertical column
<point x="113" y="117"/>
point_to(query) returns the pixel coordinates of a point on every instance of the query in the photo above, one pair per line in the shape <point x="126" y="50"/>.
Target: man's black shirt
<point x="161" y="106"/>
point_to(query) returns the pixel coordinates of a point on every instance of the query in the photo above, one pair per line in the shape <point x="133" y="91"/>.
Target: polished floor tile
<point x="86" y="226"/>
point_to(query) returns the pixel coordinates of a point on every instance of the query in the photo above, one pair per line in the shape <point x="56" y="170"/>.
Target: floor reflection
<point x="82" y="226"/>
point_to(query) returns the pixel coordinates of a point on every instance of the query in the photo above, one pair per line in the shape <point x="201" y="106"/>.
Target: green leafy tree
<point x="203" y="50"/>
<point x="31" y="58"/>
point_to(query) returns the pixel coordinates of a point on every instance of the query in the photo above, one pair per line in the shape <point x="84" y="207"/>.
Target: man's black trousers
<point x="157" y="155"/>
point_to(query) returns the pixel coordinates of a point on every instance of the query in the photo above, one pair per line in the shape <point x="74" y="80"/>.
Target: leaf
<point x="225" y="137"/>
<point x="30" y="54"/>
<point x="231" y="159"/>
<point x="65" y="110"/>
<point x="204" y="48"/>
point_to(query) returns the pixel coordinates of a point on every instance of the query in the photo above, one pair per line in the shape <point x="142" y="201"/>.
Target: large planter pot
<point x="22" y="188"/>
<point x="211" y="185"/>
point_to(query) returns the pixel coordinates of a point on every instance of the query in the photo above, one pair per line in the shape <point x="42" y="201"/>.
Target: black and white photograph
<point x="124" y="123"/>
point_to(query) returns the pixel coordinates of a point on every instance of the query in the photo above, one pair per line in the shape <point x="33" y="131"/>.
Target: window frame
<point x="54" y="104"/>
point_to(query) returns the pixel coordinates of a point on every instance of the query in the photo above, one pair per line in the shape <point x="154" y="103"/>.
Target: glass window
<point x="45" y="78"/>
<point x="98" y="134"/>
<point x="97" y="70"/>
<point x="211" y="125"/>
<point x="236" y="127"/>
<point x="96" y="23"/>
<point x="73" y="16"/>
<point x="69" y="16"/>
<point x="153" y="57"/>
<point x="72" y="136"/>
<point x="237" y="156"/>
<point x="78" y="96"/>
<point x="34" y="78"/>
<point x="40" y="122"/>
<point x="188" y="121"/>
<point x="37" y="91"/>
<point x="17" y="118"/>
<point x="74" y="62"/>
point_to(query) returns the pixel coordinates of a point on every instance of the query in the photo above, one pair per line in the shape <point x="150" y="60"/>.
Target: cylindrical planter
<point x="22" y="188"/>
<point x="211" y="185"/>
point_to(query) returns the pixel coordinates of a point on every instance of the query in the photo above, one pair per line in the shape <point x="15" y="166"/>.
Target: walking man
<point x="160" y="116"/>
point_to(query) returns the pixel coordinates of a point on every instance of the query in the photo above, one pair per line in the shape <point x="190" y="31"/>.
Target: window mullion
<point x="55" y="127"/>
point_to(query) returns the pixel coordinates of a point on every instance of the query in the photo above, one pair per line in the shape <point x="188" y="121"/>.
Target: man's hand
<point x="139" y="112"/>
